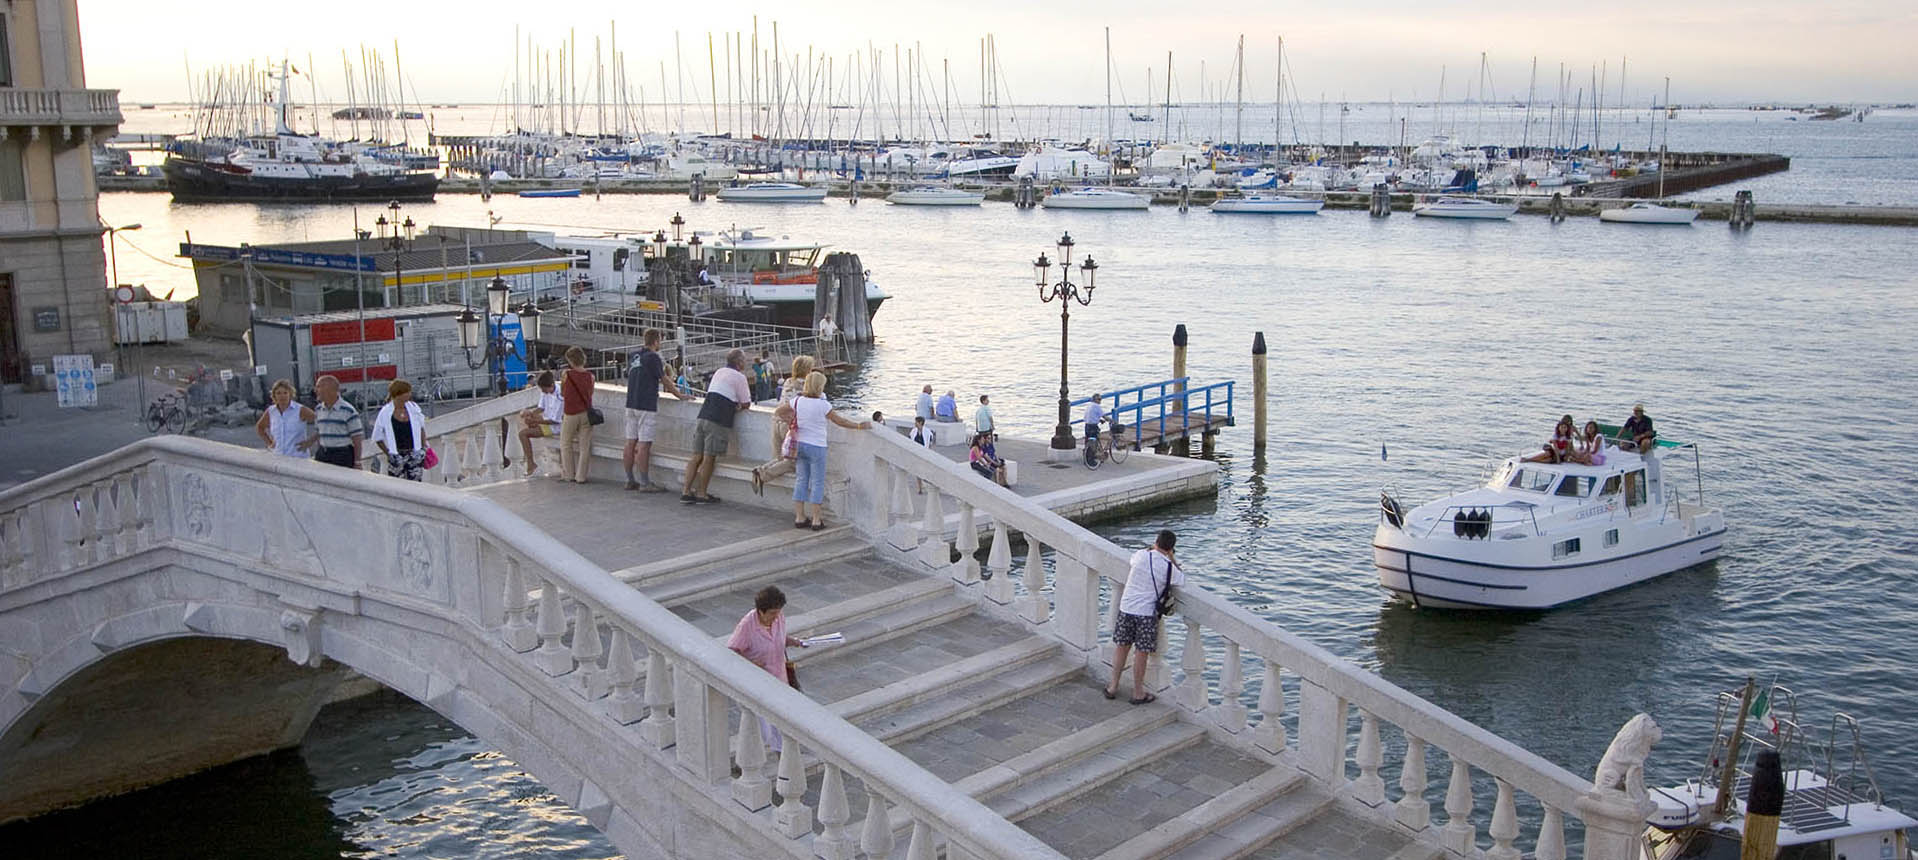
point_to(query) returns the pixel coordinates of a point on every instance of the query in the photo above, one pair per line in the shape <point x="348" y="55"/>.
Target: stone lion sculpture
<point x="1622" y="770"/>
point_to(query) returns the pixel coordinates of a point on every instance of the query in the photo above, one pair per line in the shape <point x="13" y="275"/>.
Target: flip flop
<point x="818" y="527"/>
<point x="1147" y="699"/>
<point x="1111" y="694"/>
<point x="802" y="524"/>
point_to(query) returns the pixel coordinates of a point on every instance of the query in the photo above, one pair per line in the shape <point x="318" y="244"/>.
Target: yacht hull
<point x="783" y="195"/>
<point x="198" y="182"/>
<point x="1648" y="215"/>
<point x="920" y="198"/>
<point x="1118" y="200"/>
<point x="1426" y="573"/>
<point x="1269" y="207"/>
<point x="1487" y="213"/>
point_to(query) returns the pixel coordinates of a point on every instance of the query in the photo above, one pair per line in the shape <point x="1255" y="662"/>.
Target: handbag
<point x="1168" y="601"/>
<point x="792" y="675"/>
<point x="594" y="417"/>
<point x="432" y="458"/>
<point x="789" y="449"/>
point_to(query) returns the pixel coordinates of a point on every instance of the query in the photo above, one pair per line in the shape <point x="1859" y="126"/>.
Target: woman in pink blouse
<point x="761" y="637"/>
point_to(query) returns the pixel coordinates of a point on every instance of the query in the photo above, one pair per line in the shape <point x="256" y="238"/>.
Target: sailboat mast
<point x="1666" y="142"/>
<point x="1108" y="97"/>
<point x="712" y="80"/>
<point x="1238" y="111"/>
<point x="1278" y="102"/>
<point x="1525" y="138"/>
<point x="1168" y="95"/>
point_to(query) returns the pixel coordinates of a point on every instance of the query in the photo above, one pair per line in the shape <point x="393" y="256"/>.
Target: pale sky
<point x="1723" y="51"/>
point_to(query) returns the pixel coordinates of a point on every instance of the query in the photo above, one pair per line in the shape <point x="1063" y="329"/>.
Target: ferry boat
<point x="1831" y="806"/>
<point x="1464" y="207"/>
<point x="1539" y="535"/>
<point x="772" y="192"/>
<point x="1648" y="213"/>
<point x="1095" y="198"/>
<point x="934" y="195"/>
<point x="744" y="267"/>
<point x="1268" y="204"/>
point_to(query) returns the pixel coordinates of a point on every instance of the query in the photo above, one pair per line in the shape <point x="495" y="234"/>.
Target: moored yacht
<point x="772" y="192"/>
<point x="1095" y="198"/>
<point x="1464" y="207"/>
<point x="1648" y="213"/>
<point x="780" y="273"/>
<point x="1268" y="204"/>
<point x="1538" y="535"/>
<point x="935" y="195"/>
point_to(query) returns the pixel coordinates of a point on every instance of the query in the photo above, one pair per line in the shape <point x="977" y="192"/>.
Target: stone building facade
<point x="53" y="290"/>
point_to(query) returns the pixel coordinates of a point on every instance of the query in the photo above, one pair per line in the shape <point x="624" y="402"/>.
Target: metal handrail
<point x="1443" y="517"/>
<point x="1176" y="404"/>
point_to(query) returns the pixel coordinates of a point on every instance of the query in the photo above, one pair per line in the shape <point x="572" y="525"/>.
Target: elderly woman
<point x="760" y="636"/>
<point x="782" y="461"/>
<point x="811" y="411"/>
<point x="400" y="432"/>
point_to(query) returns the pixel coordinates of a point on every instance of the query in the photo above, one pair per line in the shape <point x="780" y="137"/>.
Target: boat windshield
<point x="741" y="260"/>
<point x="1535" y="480"/>
<point x="1576" y="486"/>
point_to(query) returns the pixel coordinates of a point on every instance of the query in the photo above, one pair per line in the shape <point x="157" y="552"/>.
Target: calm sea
<point x="1786" y="352"/>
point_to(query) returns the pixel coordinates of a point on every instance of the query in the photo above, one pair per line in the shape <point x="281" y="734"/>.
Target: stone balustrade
<point x="59" y="107"/>
<point x="1223" y="646"/>
<point x="461" y="560"/>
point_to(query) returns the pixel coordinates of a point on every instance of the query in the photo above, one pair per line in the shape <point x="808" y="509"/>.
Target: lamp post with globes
<point x="1065" y="292"/>
<point x="497" y="348"/>
<point x="113" y="254"/>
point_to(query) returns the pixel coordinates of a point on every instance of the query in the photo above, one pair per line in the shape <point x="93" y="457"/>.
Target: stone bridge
<point x="179" y="604"/>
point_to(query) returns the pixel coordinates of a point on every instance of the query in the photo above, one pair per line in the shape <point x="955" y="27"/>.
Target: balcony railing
<point x="59" y="107"/>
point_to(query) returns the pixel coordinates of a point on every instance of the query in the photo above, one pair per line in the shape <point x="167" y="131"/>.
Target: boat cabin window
<point x="1611" y="486"/>
<point x="1635" y="488"/>
<point x="1808" y="851"/>
<point x="1576" y="486"/>
<point x="1535" y="480"/>
<point x="1568" y="546"/>
<point x="619" y="258"/>
<point x="1611" y="537"/>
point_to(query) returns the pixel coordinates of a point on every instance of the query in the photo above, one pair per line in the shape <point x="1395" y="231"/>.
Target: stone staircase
<point x="1004" y="715"/>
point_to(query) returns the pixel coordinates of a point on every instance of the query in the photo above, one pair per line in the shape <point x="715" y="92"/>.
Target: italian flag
<point x="1761" y="710"/>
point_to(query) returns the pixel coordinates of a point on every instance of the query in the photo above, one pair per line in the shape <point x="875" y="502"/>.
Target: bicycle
<point x="167" y="411"/>
<point x="1110" y="445"/>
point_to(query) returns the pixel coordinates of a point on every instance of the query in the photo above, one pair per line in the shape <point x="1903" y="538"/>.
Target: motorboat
<point x="1464" y="207"/>
<point x="1648" y="213"/>
<point x="1538" y="535"/>
<point x="772" y="192"/>
<point x="1830" y="805"/>
<point x="550" y="192"/>
<point x="778" y="272"/>
<point x="1095" y="198"/>
<point x="935" y="195"/>
<point x="1268" y="204"/>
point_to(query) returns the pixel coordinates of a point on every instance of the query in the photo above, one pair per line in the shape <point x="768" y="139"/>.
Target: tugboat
<point x="292" y="166"/>
<point x="1811" y="801"/>
<point x="1538" y="535"/>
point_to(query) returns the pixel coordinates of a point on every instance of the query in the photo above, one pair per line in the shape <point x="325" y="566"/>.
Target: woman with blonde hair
<point x="782" y="461"/>
<point x="811" y="411"/>
<point x="285" y="425"/>
<point x="400" y="432"/>
<point x="575" y="424"/>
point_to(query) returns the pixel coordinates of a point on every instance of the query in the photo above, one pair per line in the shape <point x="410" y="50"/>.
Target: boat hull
<point x="192" y="181"/>
<point x="801" y="195"/>
<point x="1648" y="215"/>
<point x="1120" y="200"/>
<point x="908" y="198"/>
<point x="1268" y="207"/>
<point x="1489" y="213"/>
<point x="1423" y="576"/>
<point x="798" y="314"/>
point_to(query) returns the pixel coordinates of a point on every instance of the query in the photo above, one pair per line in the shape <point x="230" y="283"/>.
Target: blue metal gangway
<point x="1159" y="413"/>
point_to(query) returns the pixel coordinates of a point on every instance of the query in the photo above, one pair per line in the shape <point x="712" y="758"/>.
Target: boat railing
<point x="1484" y="528"/>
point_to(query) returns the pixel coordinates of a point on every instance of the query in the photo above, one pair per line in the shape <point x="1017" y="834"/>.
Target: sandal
<point x="759" y="484"/>
<point x="818" y="527"/>
<point x="1147" y="699"/>
<point x="801" y="524"/>
<point x="1111" y="694"/>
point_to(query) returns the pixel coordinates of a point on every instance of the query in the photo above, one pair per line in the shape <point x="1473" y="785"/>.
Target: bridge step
<point x="969" y="700"/>
<point x="1026" y="767"/>
<point x="1243" y="819"/>
<point x="878" y="617"/>
<point x="774" y="551"/>
<point x="1093" y="772"/>
<point x="922" y="686"/>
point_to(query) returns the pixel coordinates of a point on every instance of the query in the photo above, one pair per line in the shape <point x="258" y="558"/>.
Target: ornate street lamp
<point x="1065" y="291"/>
<point x="497" y="348"/>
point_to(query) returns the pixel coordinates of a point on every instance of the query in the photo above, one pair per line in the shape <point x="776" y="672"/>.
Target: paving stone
<point x="1336" y="835"/>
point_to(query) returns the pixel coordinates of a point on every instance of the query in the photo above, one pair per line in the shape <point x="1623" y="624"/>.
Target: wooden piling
<point x="1183" y="445"/>
<point x="1258" y="390"/>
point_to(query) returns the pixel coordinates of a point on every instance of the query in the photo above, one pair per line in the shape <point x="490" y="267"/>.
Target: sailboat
<point x="1263" y="202"/>
<point x="1099" y="198"/>
<point x="1654" y="213"/>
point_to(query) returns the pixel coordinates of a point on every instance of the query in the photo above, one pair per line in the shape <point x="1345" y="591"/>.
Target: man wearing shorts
<point x="727" y="395"/>
<point x="644" y="379"/>
<point x="1153" y="571"/>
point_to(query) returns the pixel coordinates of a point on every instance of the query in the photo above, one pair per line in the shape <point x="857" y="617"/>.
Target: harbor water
<point x="1404" y="353"/>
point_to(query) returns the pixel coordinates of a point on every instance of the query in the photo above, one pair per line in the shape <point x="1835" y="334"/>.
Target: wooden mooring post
<point x="1178" y="372"/>
<point x="1744" y="211"/>
<point x="1258" y="391"/>
<point x="1381" y="201"/>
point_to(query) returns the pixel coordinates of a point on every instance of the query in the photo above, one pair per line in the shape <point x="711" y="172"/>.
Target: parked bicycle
<point x="1110" y="445"/>
<point x="167" y="412"/>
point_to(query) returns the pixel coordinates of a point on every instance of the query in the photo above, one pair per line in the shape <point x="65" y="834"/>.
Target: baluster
<point x="833" y="842"/>
<point x="934" y="553"/>
<point x="1413" y="810"/>
<point x="1075" y="592"/>
<point x="1369" y="788"/>
<point x="519" y="634"/>
<point x="965" y="571"/>
<point x="146" y="496"/>
<point x="490" y="442"/>
<point x="626" y="705"/>
<point x="552" y="657"/>
<point x="473" y="456"/>
<point x="876" y="837"/>
<point x="999" y="563"/>
<point x="1035" y="607"/>
<point x="1504" y="824"/>
<point x="1270" y="735"/>
<point x="751" y="789"/>
<point x="119" y="489"/>
<point x="1551" y="836"/>
<point x="1229" y="713"/>
<point x="587" y="649"/>
<point x="882" y="478"/>
<point x="1459" y="834"/>
<point x="794" y="818"/>
<point x="106" y="522"/>
<point x="10" y="541"/>
<point x="1192" y="694"/>
<point x="905" y="533"/>
<point x="920" y="847"/>
<point x="67" y="524"/>
<point x="89" y="519"/>
<point x="658" y="727"/>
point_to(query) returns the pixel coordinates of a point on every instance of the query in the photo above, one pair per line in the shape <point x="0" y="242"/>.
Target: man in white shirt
<point x="727" y="395"/>
<point x="542" y="420"/>
<point x="1154" y="571"/>
<point x="923" y="408"/>
<point x="982" y="419"/>
<point x="1095" y="413"/>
